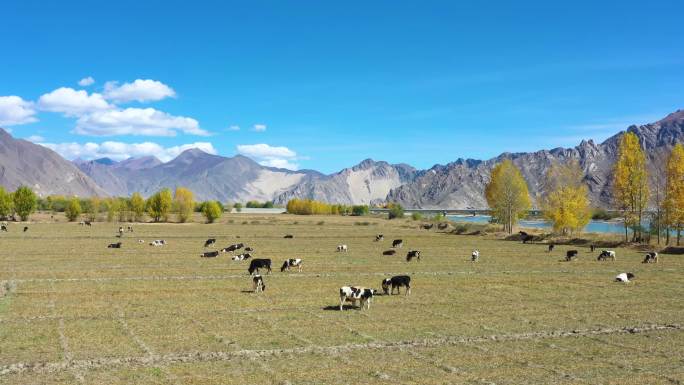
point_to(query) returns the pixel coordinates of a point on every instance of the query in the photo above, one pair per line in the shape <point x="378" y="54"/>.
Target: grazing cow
<point x="288" y="236"/>
<point x="209" y="254"/>
<point x="356" y="294"/>
<point x="232" y="248"/>
<point x="341" y="248"/>
<point x="412" y="254"/>
<point x="397" y="243"/>
<point x="25" y="228"/>
<point x="121" y="231"/>
<point x="442" y="226"/>
<point x="551" y="246"/>
<point x="258" y="283"/>
<point x="396" y="282"/>
<point x="248" y="249"/>
<point x="209" y="242"/>
<point x="592" y="248"/>
<point x="389" y="252"/>
<point x="242" y="257"/>
<point x="605" y="254"/>
<point x="257" y="264"/>
<point x="158" y="242"/>
<point x="525" y="237"/>
<point x="475" y="255"/>
<point x="3" y="228"/>
<point x="428" y="227"/>
<point x="624" y="277"/>
<point x="651" y="257"/>
<point x="292" y="262"/>
<point x="379" y="237"/>
<point x="570" y="255"/>
<point x="141" y="241"/>
<point x="114" y="245"/>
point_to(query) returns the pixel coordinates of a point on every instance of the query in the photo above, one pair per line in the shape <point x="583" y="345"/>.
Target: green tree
<point x="395" y="211"/>
<point x="24" y="202"/>
<point x="184" y="204"/>
<point x="137" y="206"/>
<point x="5" y="203"/>
<point x="507" y="195"/>
<point x="211" y="211"/>
<point x="73" y="209"/>
<point x="630" y="184"/>
<point x="566" y="199"/>
<point x="238" y="207"/>
<point x="159" y="205"/>
<point x="359" y="210"/>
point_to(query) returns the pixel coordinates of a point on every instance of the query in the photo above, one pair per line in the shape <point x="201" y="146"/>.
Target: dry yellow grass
<point x="77" y="312"/>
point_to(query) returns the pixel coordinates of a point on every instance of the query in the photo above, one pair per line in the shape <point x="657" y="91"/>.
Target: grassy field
<point x="74" y="312"/>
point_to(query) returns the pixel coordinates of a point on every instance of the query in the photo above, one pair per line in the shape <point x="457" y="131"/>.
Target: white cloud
<point x="140" y="90"/>
<point x="15" y="110"/>
<point x="271" y="156"/>
<point x="234" y="128"/>
<point x="136" y="121"/>
<point x="35" y="138"/>
<point x="121" y="151"/>
<point x="71" y="102"/>
<point x="87" y="81"/>
<point x="259" y="127"/>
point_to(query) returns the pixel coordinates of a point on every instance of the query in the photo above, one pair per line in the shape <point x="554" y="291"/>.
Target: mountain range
<point x="457" y="185"/>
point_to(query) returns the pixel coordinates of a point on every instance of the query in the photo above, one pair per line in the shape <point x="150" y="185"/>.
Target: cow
<point x="130" y="229"/>
<point x="258" y="283"/>
<point x="209" y="254"/>
<point x="428" y="227"/>
<point x="3" y="228"/>
<point x="389" y="252"/>
<point x="241" y="257"/>
<point x="412" y="254"/>
<point x="288" y="236"/>
<point x="209" y="242"/>
<point x="356" y="294"/>
<point x="341" y="248"/>
<point x="257" y="264"/>
<point x="25" y="228"/>
<point x="442" y="226"/>
<point x="624" y="277"/>
<point x="397" y="243"/>
<point x="141" y="241"/>
<point x="396" y="282"/>
<point x="525" y="237"/>
<point x="475" y="255"/>
<point x="379" y="237"/>
<point x="651" y="257"/>
<point x="81" y="223"/>
<point x="114" y="245"/>
<point x="248" y="249"/>
<point x="292" y="262"/>
<point x="121" y="231"/>
<point x="551" y="246"/>
<point x="605" y="254"/>
<point x="158" y="242"/>
<point x="570" y="255"/>
<point x="232" y="248"/>
<point x="87" y="223"/>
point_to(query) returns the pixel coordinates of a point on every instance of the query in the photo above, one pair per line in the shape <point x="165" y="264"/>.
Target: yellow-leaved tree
<point x="507" y="195"/>
<point x="184" y="203"/>
<point x="674" y="191"/>
<point x="565" y="201"/>
<point x="630" y="185"/>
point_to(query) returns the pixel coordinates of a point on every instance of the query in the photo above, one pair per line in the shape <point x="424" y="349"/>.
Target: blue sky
<point x="324" y="85"/>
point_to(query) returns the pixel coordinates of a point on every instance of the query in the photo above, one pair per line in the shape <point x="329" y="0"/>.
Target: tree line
<point x="565" y="201"/>
<point x="314" y="207"/>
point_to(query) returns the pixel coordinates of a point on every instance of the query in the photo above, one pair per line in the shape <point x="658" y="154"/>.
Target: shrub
<point x="25" y="202"/>
<point x="73" y="209"/>
<point x="360" y="210"/>
<point x="416" y="216"/>
<point x="396" y="211"/>
<point x="212" y="211"/>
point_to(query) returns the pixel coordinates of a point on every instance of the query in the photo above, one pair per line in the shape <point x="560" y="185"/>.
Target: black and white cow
<point x="292" y="262"/>
<point x="259" y="263"/>
<point x="249" y="249"/>
<point x="606" y="254"/>
<point x="379" y="237"/>
<point x="121" y="231"/>
<point x="258" y="283"/>
<point x="396" y="282"/>
<point x="242" y="257"/>
<point x="397" y="243"/>
<point x="356" y="294"/>
<point x="3" y="228"/>
<point x="412" y="254"/>
<point x="114" y="245"/>
<point x="158" y="242"/>
<point x="232" y="248"/>
<point x="25" y="228"/>
<point x="624" y="277"/>
<point x="651" y="257"/>
<point x="209" y="242"/>
<point x="129" y="229"/>
<point x="570" y="255"/>
<point x="342" y="248"/>
<point x="551" y="246"/>
<point x="87" y="223"/>
<point x="288" y="236"/>
<point x="209" y="254"/>
<point x="389" y="252"/>
<point x="475" y="255"/>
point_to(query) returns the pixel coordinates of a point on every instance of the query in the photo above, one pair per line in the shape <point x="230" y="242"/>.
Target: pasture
<point x="73" y="311"/>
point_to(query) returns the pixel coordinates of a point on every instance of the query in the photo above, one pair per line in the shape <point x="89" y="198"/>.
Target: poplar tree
<point x="630" y="187"/>
<point x="507" y="195"/>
